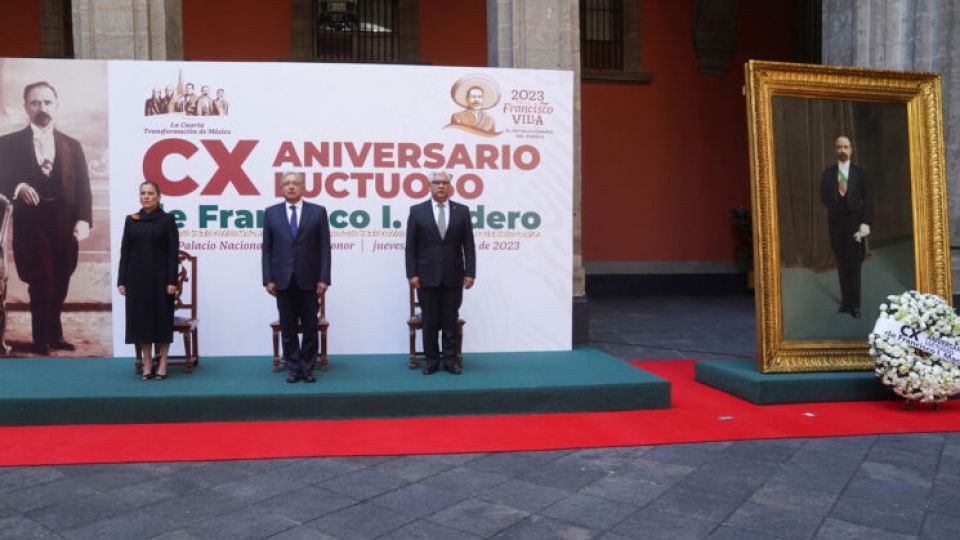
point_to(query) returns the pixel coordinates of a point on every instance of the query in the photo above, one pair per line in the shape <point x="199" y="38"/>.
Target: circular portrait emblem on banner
<point x="475" y="93"/>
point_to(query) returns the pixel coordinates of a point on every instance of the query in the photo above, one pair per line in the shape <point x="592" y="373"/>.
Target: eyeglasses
<point x="440" y="182"/>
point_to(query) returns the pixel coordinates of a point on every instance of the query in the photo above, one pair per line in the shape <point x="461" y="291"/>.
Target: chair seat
<point x="417" y="320"/>
<point x="321" y="323"/>
<point x="185" y="323"/>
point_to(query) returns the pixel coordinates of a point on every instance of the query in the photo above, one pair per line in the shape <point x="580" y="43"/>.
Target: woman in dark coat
<point x="148" y="278"/>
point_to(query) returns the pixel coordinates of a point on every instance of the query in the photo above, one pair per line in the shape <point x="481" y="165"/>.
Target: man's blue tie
<point x="293" y="220"/>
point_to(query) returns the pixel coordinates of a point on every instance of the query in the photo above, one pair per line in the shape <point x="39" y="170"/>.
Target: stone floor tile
<point x="775" y="521"/>
<point x="542" y="528"/>
<point x="412" y="468"/>
<point x="665" y="474"/>
<point x="427" y="530"/>
<point x="249" y="523"/>
<point x="116" y="476"/>
<point x="795" y="498"/>
<point x="478" y="517"/>
<point x="46" y="494"/>
<point x="564" y="475"/>
<point x="507" y="463"/>
<point x="937" y="526"/>
<point x="306" y="504"/>
<point x="625" y="489"/>
<point x="897" y="474"/>
<point x="465" y="481"/>
<point x="589" y="512"/>
<point x="360" y="522"/>
<point x="131" y="525"/>
<point x="691" y="455"/>
<point x="13" y="478"/>
<point x="657" y="524"/>
<point x="907" y="519"/>
<point x="265" y="485"/>
<point x="81" y="511"/>
<point x="709" y="506"/>
<point x="773" y="451"/>
<point x="154" y="491"/>
<point x="223" y="472"/>
<point x="184" y="510"/>
<point x="836" y="529"/>
<point x="364" y="483"/>
<point x="22" y="528"/>
<point x="417" y="500"/>
<point x="726" y="532"/>
<point x="302" y="532"/>
<point x="523" y="495"/>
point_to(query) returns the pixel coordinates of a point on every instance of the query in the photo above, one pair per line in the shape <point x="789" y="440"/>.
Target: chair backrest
<point x="186" y="275"/>
<point x="414" y="302"/>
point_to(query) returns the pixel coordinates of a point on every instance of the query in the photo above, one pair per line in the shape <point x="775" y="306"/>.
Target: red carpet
<point x="699" y="414"/>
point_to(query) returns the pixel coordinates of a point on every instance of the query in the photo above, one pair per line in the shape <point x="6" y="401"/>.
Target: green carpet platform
<point x="106" y="390"/>
<point x="741" y="378"/>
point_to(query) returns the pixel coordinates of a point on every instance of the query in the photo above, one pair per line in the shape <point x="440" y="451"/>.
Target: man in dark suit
<point x="44" y="173"/>
<point x="296" y="269"/>
<point x="441" y="262"/>
<point x="845" y="191"/>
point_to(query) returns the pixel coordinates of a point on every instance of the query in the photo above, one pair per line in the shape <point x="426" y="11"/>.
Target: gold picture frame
<point x="796" y="113"/>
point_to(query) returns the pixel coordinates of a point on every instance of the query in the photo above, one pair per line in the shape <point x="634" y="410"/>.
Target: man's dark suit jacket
<point x="440" y="262"/>
<point x="307" y="256"/>
<point x="18" y="164"/>
<point x="846" y="213"/>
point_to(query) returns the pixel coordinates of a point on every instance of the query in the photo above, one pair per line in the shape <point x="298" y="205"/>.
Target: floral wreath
<point x="911" y="326"/>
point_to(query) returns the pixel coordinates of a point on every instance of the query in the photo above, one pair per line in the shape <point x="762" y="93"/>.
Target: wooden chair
<point x="184" y="316"/>
<point x="415" y="322"/>
<point x="6" y="212"/>
<point x="322" y="324"/>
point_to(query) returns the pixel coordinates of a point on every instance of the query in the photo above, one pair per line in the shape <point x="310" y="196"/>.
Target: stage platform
<point x="741" y="378"/>
<point x="106" y="391"/>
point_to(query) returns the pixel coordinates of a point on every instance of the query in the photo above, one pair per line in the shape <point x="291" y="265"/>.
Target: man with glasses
<point x="441" y="262"/>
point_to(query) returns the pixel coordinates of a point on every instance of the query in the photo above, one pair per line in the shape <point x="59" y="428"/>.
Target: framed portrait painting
<point x="848" y="188"/>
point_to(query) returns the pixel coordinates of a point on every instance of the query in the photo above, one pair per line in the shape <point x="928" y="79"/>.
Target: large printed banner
<point x="218" y="136"/>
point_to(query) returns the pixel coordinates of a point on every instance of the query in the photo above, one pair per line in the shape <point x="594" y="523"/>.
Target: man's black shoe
<point x="855" y="313"/>
<point x="42" y="350"/>
<point x="842" y="309"/>
<point x="293" y="377"/>
<point x="63" y="346"/>
<point x="452" y="369"/>
<point x="430" y="367"/>
<point x="309" y="378"/>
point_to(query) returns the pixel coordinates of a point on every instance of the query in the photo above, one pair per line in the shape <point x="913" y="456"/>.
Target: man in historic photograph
<point x="441" y="262"/>
<point x="153" y="104"/>
<point x="186" y="103"/>
<point x="167" y="101"/>
<point x="205" y="102"/>
<point x="296" y="270"/>
<point x="221" y="107"/>
<point x="44" y="172"/>
<point x="845" y="191"/>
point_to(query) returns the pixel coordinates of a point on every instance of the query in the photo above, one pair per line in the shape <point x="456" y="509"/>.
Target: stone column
<point x="913" y="35"/>
<point x="128" y="29"/>
<point x="545" y="34"/>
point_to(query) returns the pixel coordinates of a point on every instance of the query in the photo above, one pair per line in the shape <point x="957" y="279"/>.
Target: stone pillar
<point x="545" y="34"/>
<point x="913" y="35"/>
<point x="128" y="29"/>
